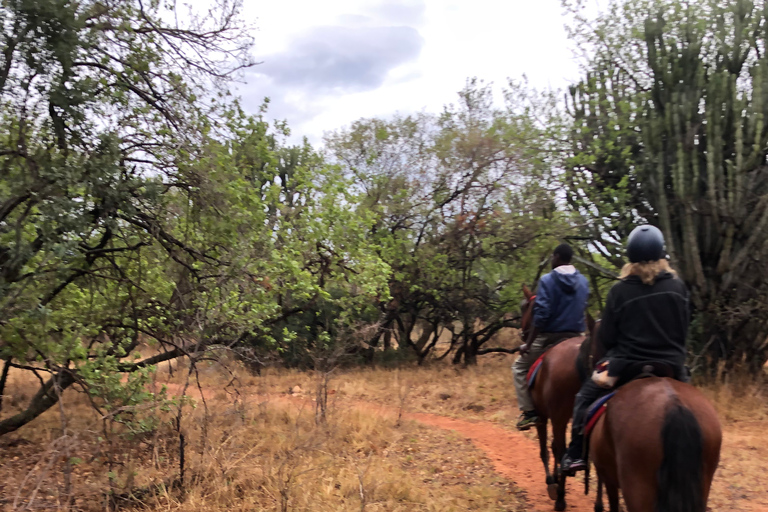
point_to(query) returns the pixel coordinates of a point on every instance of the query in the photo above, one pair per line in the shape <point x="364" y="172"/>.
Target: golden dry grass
<point x="246" y="450"/>
<point x="253" y="446"/>
<point x="486" y="393"/>
<point x="740" y="481"/>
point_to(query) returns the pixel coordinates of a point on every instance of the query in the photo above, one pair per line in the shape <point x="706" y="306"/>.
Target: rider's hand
<point x="524" y="349"/>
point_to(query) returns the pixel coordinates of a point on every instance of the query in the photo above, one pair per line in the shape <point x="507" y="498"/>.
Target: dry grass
<point x="247" y="450"/>
<point x="486" y="393"/>
<point x="742" y="406"/>
<point x="252" y="446"/>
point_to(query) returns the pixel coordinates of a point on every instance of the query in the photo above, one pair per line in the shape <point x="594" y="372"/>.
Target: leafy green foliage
<point x="669" y="128"/>
<point x="462" y="207"/>
<point x="136" y="208"/>
<point x="290" y="237"/>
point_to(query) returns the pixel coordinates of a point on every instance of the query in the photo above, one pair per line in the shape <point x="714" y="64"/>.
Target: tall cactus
<point x="678" y="138"/>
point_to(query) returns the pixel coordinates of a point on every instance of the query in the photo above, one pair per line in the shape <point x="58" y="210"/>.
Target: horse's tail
<point x="680" y="477"/>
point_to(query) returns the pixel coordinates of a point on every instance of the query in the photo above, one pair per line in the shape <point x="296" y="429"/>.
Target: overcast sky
<point x="326" y="64"/>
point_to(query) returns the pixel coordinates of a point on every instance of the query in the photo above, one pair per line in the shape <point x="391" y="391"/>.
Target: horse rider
<point x="558" y="314"/>
<point x="645" y="320"/>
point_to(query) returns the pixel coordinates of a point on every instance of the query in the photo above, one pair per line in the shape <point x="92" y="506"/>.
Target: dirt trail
<point x="514" y="456"/>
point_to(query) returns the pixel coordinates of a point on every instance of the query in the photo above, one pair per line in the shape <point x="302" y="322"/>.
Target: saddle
<point x="595" y="411"/>
<point x="633" y="372"/>
<point x="647" y="369"/>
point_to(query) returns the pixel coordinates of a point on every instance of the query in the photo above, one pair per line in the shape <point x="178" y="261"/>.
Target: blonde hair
<point x="647" y="271"/>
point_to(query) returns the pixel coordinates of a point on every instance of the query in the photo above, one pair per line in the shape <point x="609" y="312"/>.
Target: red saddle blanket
<point x="596" y="410"/>
<point x="534" y="370"/>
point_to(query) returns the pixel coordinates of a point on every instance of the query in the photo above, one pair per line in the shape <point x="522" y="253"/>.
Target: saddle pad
<point x="595" y="411"/>
<point x="534" y="370"/>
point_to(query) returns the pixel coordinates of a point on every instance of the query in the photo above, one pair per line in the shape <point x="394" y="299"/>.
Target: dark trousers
<point x="586" y="396"/>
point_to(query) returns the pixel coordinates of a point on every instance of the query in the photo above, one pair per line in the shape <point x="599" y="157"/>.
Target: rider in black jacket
<point x="645" y="320"/>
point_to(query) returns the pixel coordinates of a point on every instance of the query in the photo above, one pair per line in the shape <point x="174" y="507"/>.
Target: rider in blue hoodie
<point x="558" y="314"/>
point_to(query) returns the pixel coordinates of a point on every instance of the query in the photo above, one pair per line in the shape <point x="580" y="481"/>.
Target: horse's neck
<point x="591" y="351"/>
<point x="597" y="351"/>
<point x="526" y="322"/>
<point x="585" y="354"/>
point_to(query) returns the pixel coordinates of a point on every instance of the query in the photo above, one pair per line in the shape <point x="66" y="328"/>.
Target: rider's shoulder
<point x="671" y="280"/>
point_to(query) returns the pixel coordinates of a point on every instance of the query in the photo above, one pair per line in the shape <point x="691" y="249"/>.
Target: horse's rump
<point x="654" y="434"/>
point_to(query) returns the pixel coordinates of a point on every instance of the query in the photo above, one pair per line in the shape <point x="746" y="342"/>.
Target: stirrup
<point x="569" y="466"/>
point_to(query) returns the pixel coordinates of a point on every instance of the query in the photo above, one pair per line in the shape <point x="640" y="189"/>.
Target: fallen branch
<point x="499" y="350"/>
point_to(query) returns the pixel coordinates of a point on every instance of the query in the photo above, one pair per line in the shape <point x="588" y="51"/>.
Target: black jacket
<point x="643" y="323"/>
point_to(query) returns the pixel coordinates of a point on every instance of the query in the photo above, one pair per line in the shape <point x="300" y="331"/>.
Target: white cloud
<point x="329" y="63"/>
<point x="341" y="59"/>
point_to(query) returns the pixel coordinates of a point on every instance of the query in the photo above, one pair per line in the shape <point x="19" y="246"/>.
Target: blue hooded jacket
<point x="561" y="300"/>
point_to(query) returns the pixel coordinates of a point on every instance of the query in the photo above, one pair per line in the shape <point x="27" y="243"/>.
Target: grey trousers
<point x="520" y="368"/>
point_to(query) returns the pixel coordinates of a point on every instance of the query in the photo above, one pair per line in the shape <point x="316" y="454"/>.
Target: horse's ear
<point x="527" y="292"/>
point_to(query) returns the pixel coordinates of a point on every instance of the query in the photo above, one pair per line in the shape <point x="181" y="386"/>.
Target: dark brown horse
<point x="659" y="442"/>
<point x="553" y="395"/>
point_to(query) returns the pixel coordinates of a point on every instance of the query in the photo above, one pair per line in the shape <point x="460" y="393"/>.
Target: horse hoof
<point x="560" y="506"/>
<point x="552" y="490"/>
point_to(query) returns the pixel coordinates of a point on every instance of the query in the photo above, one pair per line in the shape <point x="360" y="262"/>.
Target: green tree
<point x="298" y="265"/>
<point x="462" y="203"/>
<point x="135" y="206"/>
<point x="98" y="109"/>
<point x="669" y="127"/>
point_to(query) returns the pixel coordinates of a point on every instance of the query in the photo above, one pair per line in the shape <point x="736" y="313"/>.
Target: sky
<point x="326" y="64"/>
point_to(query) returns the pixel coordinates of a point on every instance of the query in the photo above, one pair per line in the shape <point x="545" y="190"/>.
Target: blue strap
<point x="598" y="403"/>
<point x="533" y="376"/>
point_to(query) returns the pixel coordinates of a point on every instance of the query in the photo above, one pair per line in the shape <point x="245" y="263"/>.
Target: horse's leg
<point x="612" y="491"/>
<point x="558" y="449"/>
<point x="639" y="492"/>
<point x="541" y="429"/>
<point x="599" y="497"/>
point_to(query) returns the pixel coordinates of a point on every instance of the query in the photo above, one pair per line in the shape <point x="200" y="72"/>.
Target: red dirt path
<point x="516" y="458"/>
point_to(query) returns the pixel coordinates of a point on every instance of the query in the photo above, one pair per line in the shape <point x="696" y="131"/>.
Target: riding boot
<point x="576" y="448"/>
<point x="574" y="460"/>
<point x="586" y="396"/>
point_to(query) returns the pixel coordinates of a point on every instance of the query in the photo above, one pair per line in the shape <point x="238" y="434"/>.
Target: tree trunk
<point x="470" y="355"/>
<point x="44" y="399"/>
<point x="3" y="380"/>
<point x="388" y="340"/>
<point x="457" y="357"/>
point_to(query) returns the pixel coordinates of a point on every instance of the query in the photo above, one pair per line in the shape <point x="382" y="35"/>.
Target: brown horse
<point x="553" y="395"/>
<point x="659" y="442"/>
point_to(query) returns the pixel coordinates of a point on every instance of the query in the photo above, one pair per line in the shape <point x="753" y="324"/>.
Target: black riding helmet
<point x="646" y="243"/>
